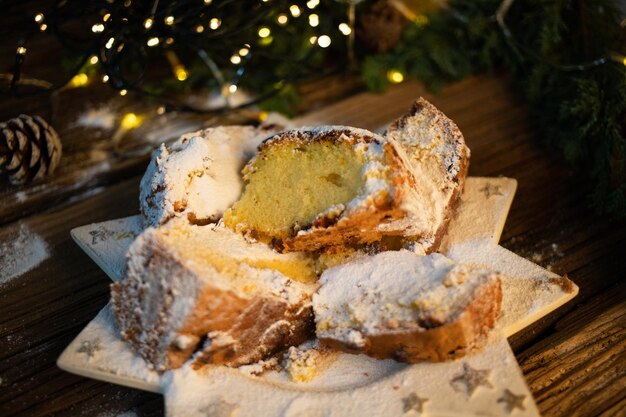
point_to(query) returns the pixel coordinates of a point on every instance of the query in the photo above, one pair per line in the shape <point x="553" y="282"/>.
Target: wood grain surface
<point x="574" y="359"/>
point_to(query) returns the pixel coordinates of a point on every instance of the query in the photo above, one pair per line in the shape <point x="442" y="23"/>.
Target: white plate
<point x="346" y="384"/>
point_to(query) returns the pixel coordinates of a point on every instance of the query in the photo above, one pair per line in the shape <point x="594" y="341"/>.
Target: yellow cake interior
<point x="289" y="184"/>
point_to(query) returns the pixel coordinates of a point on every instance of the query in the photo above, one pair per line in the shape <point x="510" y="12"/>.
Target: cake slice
<point x="313" y="188"/>
<point x="198" y="176"/>
<point x="190" y="287"/>
<point x="407" y="307"/>
<point x="439" y="160"/>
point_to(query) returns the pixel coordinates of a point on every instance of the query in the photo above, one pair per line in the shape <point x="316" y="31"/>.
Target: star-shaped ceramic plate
<point x="488" y="383"/>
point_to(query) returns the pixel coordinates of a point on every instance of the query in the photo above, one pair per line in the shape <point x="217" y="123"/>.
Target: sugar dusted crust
<point x="387" y="178"/>
<point x="171" y="299"/>
<point x="430" y="309"/>
<point x="439" y="159"/>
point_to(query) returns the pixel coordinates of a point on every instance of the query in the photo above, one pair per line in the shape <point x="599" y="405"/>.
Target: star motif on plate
<point x="413" y="402"/>
<point x="100" y="235"/>
<point x="89" y="347"/>
<point x="220" y="408"/>
<point x="512" y="401"/>
<point x="471" y="379"/>
<point x="490" y="190"/>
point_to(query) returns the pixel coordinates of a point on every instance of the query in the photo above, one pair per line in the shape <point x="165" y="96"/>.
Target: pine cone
<point x="30" y="149"/>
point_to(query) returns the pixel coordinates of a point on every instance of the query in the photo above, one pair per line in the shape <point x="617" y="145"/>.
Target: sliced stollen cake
<point x="198" y="176"/>
<point x="190" y="287"/>
<point x="407" y="307"/>
<point x="313" y="188"/>
<point x="439" y="160"/>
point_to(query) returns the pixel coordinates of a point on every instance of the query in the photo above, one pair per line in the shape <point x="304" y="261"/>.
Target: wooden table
<point x="574" y="360"/>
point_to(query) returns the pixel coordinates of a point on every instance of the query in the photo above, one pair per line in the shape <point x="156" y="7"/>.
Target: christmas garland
<point x="566" y="58"/>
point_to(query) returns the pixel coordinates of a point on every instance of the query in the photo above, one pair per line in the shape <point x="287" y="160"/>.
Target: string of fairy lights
<point x="227" y="37"/>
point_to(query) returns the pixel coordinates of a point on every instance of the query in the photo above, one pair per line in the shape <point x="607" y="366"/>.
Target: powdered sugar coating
<point x="392" y="292"/>
<point x="198" y="176"/>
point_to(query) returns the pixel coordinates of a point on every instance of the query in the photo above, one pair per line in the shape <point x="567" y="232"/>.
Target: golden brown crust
<point x="460" y="336"/>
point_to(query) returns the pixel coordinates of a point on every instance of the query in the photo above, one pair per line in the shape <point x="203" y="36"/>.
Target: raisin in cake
<point x="189" y="287"/>
<point x="406" y="307"/>
<point x="313" y="188"/>
<point x="439" y="160"/>
<point x="198" y="176"/>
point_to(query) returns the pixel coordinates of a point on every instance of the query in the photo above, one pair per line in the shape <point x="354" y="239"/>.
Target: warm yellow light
<point x="93" y="60"/>
<point x="313" y="40"/>
<point x="38" y="17"/>
<point x="199" y="28"/>
<point x="169" y="41"/>
<point x="98" y="27"/>
<point x="282" y="19"/>
<point x="123" y="92"/>
<point x="263" y="116"/>
<point x="295" y="10"/>
<point x="215" y="23"/>
<point x="208" y="1"/>
<point x="109" y="43"/>
<point x="43" y="27"/>
<point x="312" y="4"/>
<point x="235" y="59"/>
<point x="314" y="20"/>
<point x="130" y="120"/>
<point x="244" y="51"/>
<point x="169" y="20"/>
<point x="181" y="73"/>
<point x="147" y="23"/>
<point x="79" y="80"/>
<point x="264" y="32"/>
<point x="106" y="17"/>
<point x="153" y="42"/>
<point x="345" y="29"/>
<point x="624" y="61"/>
<point x="160" y="110"/>
<point x="21" y="50"/>
<point x="324" y="41"/>
<point x="395" y="76"/>
<point x="105" y="78"/>
<point x="420" y="19"/>
<point x="232" y="89"/>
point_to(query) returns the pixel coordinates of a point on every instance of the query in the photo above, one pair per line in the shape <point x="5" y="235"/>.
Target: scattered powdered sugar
<point x="22" y="254"/>
<point x="99" y="118"/>
<point x="128" y="413"/>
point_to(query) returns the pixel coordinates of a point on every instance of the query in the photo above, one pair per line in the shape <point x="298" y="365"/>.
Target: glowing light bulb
<point x="181" y="73"/>
<point x="345" y="29"/>
<point x="93" y="60"/>
<point x="123" y="92"/>
<point x="98" y="27"/>
<point x="105" y="78"/>
<point x="314" y="20"/>
<point x="313" y="40"/>
<point x="153" y="42"/>
<point x="130" y="120"/>
<point x="21" y="50"/>
<point x="169" y="20"/>
<point x="395" y="76"/>
<point x="282" y="19"/>
<point x="215" y="23"/>
<point x="79" y="80"/>
<point x="208" y="1"/>
<point x="232" y="89"/>
<point x="160" y="110"/>
<point x="312" y="4"/>
<point x="43" y="27"/>
<point x="264" y="32"/>
<point x="106" y="17"/>
<point x="147" y="23"/>
<point x="38" y="17"/>
<point x="169" y="41"/>
<point x="109" y="43"/>
<point x="235" y="59"/>
<point x="244" y="51"/>
<point x="324" y="41"/>
<point x="199" y="28"/>
<point x="295" y="10"/>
